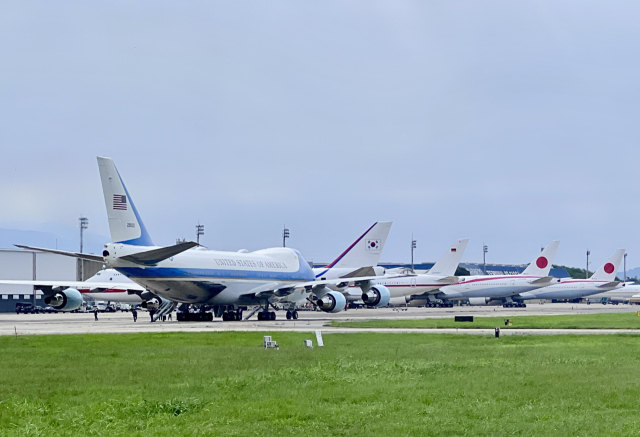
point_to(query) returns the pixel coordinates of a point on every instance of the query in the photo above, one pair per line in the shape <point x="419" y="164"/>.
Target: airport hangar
<point x="20" y="264"/>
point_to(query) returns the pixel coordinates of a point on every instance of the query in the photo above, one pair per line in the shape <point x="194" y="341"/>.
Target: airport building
<point x="19" y="264"/>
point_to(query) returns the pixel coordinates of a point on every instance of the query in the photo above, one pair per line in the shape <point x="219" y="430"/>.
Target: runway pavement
<point x="83" y="323"/>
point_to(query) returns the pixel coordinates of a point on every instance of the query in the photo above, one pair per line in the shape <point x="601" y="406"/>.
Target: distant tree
<point x="461" y="271"/>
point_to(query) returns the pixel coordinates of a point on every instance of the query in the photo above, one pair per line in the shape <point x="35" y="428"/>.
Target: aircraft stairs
<point x="166" y="307"/>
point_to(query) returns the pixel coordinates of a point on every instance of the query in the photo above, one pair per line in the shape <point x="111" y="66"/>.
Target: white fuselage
<point x="490" y="286"/>
<point x="404" y="285"/>
<point x="201" y="275"/>
<point x="119" y="292"/>
<point x="568" y="289"/>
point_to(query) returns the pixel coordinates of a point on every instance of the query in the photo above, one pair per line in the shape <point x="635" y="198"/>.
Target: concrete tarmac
<point x="309" y="321"/>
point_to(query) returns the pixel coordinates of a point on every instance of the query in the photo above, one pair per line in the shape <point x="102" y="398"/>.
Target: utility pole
<point x="586" y="275"/>
<point x="199" y="231"/>
<point x="485" y="249"/>
<point x="285" y="235"/>
<point x="625" y="267"/>
<point x="84" y="224"/>
<point x="413" y="246"/>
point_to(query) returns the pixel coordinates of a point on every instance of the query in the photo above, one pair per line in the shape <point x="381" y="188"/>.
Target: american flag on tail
<point x="120" y="202"/>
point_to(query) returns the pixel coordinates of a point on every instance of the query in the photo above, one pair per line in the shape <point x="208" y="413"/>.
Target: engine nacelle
<point x="151" y="304"/>
<point x="377" y="296"/>
<point x="399" y="301"/>
<point x="66" y="300"/>
<point x="479" y="300"/>
<point x="332" y="302"/>
<point x="483" y="301"/>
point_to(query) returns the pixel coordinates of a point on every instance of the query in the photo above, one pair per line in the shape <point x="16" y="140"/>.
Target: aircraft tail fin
<point x="124" y="221"/>
<point x="366" y="250"/>
<point x="448" y="264"/>
<point x="607" y="272"/>
<point x="542" y="264"/>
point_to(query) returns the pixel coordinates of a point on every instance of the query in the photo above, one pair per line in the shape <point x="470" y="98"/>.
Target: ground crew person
<point x="135" y="315"/>
<point x="95" y="313"/>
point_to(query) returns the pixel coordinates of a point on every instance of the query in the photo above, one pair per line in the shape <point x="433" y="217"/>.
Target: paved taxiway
<point x="83" y="323"/>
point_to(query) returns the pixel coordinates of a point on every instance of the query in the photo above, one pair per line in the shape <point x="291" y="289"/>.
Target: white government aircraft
<point x="188" y="273"/>
<point x="106" y="285"/>
<point x="604" y="279"/>
<point x="402" y="287"/>
<point x="486" y="289"/>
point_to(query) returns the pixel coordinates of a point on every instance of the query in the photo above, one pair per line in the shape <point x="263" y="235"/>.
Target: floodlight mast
<point x="199" y="231"/>
<point x="485" y="249"/>
<point x="84" y="224"/>
<point x="413" y="246"/>
<point x="586" y="274"/>
<point x="285" y="235"/>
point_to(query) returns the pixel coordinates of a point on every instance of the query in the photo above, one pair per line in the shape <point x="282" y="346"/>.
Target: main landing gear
<point x="514" y="305"/>
<point x="292" y="315"/>
<point x="232" y="316"/>
<point x="439" y="305"/>
<point x="266" y="315"/>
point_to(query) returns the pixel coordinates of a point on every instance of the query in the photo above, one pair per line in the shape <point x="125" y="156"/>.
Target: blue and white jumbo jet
<point x="191" y="274"/>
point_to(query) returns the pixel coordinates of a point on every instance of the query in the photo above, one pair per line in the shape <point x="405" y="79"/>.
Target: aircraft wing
<point x="74" y="284"/>
<point x="96" y="258"/>
<point x="543" y="280"/>
<point x="611" y="284"/>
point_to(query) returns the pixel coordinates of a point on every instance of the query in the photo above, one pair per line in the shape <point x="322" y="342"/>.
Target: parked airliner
<point x="482" y="290"/>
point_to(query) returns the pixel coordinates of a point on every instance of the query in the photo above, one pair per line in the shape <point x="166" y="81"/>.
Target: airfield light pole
<point x="199" y="231"/>
<point x="586" y="275"/>
<point x="285" y="235"/>
<point x="413" y="246"/>
<point x="84" y="224"/>
<point x="485" y="249"/>
<point x="625" y="267"/>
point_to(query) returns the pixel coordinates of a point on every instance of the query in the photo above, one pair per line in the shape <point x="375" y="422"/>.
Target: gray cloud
<point x="512" y="123"/>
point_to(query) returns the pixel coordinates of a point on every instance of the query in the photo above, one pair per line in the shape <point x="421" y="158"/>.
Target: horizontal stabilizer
<point x="154" y="256"/>
<point x="96" y="258"/>
<point x="543" y="280"/>
<point x="611" y="284"/>
<point x="448" y="280"/>
<point x="362" y="271"/>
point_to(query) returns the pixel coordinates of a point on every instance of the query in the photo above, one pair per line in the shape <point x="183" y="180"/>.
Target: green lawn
<point x="358" y="385"/>
<point x="578" y="321"/>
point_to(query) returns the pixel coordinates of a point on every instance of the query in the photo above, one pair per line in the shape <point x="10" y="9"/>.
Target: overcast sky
<point x="510" y="123"/>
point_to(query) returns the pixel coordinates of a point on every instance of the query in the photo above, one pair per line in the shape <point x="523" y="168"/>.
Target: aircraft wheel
<point x="295" y="315"/>
<point x="239" y="315"/>
<point x="272" y="316"/>
<point x="209" y="317"/>
<point x="225" y="316"/>
<point x="260" y="317"/>
<point x="288" y="315"/>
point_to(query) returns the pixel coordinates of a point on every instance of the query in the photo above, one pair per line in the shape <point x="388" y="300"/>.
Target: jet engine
<point x="483" y="301"/>
<point x="399" y="301"/>
<point x="377" y="296"/>
<point x="332" y="302"/>
<point x="151" y="304"/>
<point x="66" y="300"/>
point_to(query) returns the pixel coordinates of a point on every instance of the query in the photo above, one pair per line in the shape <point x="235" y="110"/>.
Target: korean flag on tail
<point x="373" y="244"/>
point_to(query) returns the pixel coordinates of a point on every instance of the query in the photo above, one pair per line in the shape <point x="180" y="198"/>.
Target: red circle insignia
<point x="608" y="268"/>
<point x="542" y="262"/>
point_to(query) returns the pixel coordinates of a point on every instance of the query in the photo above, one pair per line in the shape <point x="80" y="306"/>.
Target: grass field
<point x="577" y="321"/>
<point x="357" y="385"/>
